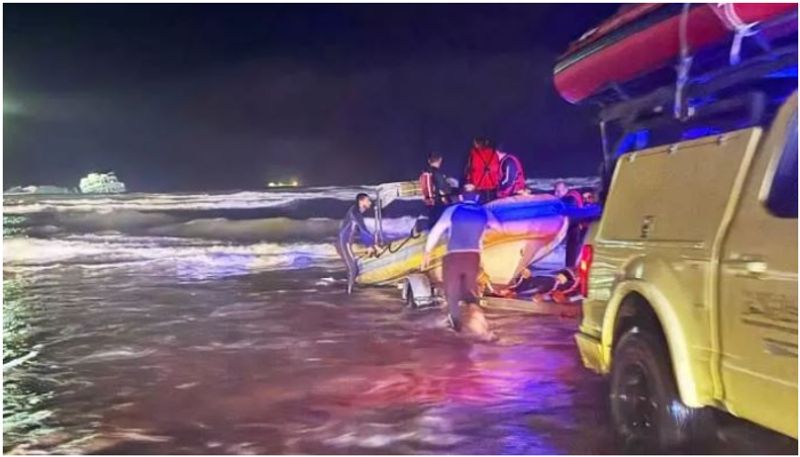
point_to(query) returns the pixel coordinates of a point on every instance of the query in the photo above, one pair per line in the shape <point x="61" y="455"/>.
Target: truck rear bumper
<point x="591" y="352"/>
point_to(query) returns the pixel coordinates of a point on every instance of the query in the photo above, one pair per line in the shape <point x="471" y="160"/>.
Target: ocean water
<point x="218" y="323"/>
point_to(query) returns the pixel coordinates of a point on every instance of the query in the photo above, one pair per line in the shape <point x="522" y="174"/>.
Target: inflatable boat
<point x="640" y="39"/>
<point x="531" y="226"/>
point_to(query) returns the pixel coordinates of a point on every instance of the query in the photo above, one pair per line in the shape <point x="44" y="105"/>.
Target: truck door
<point x="758" y="286"/>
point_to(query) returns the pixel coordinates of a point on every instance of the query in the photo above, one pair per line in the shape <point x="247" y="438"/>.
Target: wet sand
<point x="149" y="359"/>
<point x="138" y="360"/>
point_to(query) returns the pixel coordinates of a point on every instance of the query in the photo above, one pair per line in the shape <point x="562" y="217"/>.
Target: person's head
<point x="480" y="142"/>
<point x="468" y="195"/>
<point x="560" y="189"/>
<point x="435" y="159"/>
<point x="363" y="201"/>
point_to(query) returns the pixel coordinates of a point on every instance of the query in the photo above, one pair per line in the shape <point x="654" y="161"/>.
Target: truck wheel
<point x="646" y="410"/>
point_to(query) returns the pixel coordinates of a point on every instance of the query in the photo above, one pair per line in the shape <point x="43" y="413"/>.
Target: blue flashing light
<point x="642" y="139"/>
<point x="699" y="132"/>
<point x="633" y="141"/>
<point x="788" y="72"/>
<point x="528" y="211"/>
<point x="697" y="102"/>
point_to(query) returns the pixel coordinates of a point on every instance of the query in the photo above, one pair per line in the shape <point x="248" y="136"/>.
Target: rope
<point x="391" y="248"/>
<point x="726" y="12"/>
<point x="685" y="62"/>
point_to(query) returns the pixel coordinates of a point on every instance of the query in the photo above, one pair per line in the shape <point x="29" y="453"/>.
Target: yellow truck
<point x="691" y="285"/>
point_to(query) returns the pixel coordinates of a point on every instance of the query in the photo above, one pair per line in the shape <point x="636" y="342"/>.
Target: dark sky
<point x="201" y="97"/>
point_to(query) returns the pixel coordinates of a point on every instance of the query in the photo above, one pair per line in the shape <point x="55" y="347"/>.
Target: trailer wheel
<point x="410" y="301"/>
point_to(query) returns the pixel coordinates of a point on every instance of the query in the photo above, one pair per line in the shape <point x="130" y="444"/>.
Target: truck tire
<point x="646" y="410"/>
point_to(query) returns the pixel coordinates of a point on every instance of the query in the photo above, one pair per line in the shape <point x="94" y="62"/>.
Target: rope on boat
<point x="391" y="248"/>
<point x="685" y="62"/>
<point x="726" y="12"/>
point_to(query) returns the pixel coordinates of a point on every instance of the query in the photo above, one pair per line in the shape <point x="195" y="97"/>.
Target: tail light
<point x="584" y="264"/>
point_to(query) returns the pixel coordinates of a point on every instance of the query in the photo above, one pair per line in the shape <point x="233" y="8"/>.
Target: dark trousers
<point x="434" y="213"/>
<point x="575" y="235"/>
<point x="460" y="273"/>
<point x="487" y="195"/>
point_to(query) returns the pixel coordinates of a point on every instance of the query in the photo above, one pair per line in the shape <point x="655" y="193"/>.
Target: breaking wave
<point x="277" y="229"/>
<point x="26" y="204"/>
<point x="187" y="257"/>
<point x="198" y="247"/>
<point x="212" y="233"/>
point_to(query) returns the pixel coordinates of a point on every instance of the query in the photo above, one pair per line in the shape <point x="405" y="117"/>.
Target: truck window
<point x="782" y="198"/>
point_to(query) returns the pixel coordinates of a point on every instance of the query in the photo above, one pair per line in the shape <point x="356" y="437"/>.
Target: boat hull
<point x="644" y="39"/>
<point x="530" y="228"/>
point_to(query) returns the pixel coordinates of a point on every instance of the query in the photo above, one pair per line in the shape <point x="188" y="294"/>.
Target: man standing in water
<point x="353" y="226"/>
<point x="466" y="222"/>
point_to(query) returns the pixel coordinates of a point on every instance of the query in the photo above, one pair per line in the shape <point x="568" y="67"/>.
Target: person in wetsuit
<point x="557" y="287"/>
<point x="577" y="230"/>
<point x="354" y="229"/>
<point x="466" y="222"/>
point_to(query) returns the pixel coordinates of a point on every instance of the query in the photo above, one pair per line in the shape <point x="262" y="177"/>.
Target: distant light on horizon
<point x="12" y="107"/>
<point x="292" y="183"/>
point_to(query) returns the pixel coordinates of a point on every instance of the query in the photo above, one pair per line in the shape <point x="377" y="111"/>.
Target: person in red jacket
<point x="483" y="169"/>
<point x="512" y="180"/>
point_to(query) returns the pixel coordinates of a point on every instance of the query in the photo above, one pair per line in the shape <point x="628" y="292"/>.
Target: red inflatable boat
<point x="642" y="38"/>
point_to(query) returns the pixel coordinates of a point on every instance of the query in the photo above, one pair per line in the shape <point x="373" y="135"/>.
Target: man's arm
<point x="359" y="220"/>
<point x="438" y="229"/>
<point x="491" y="221"/>
<point x="509" y="174"/>
<point x="442" y="187"/>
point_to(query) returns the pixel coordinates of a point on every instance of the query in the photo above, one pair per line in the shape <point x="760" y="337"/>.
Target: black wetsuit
<point x="441" y="191"/>
<point x="542" y="284"/>
<point x="533" y="285"/>
<point x="575" y="233"/>
<point x="352" y="226"/>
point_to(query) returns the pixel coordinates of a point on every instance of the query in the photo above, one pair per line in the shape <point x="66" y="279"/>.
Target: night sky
<point x="213" y="97"/>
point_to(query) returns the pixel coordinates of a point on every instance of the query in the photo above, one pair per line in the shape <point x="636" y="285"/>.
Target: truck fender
<point x="686" y="372"/>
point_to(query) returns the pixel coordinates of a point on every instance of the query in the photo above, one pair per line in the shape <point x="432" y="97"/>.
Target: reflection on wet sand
<point x="130" y="362"/>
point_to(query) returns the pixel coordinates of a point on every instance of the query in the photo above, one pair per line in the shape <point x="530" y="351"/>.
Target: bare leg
<point x="452" y="287"/>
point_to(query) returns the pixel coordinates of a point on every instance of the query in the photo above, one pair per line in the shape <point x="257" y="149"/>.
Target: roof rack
<point x="715" y="93"/>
